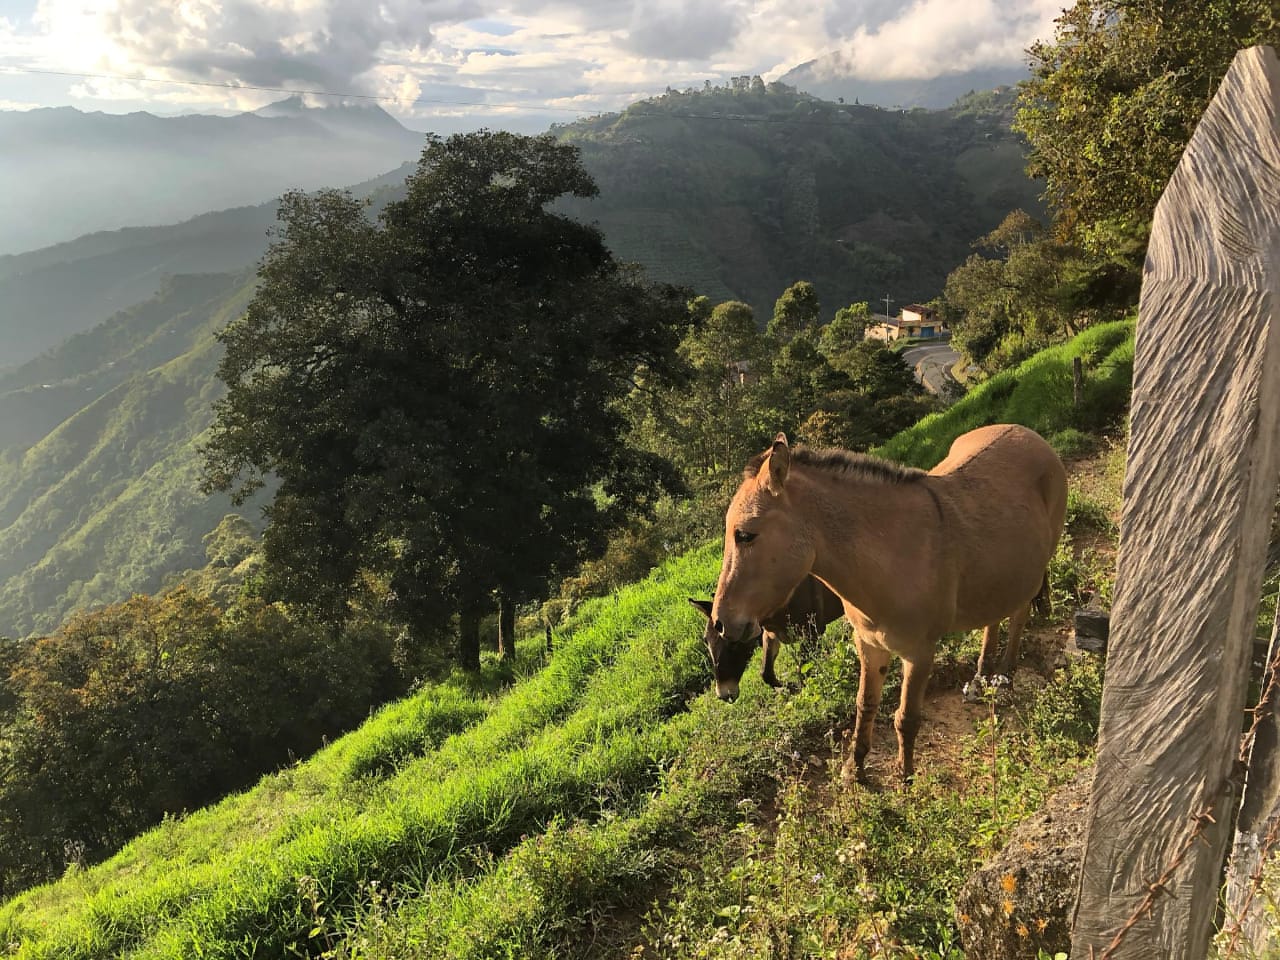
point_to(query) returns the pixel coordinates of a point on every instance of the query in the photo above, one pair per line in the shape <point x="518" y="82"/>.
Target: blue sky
<point x="499" y="62"/>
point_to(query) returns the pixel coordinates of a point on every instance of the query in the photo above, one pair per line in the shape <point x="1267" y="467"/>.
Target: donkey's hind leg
<point x="1012" y="650"/>
<point x="915" y="681"/>
<point x="990" y="645"/>
<point x="991" y="677"/>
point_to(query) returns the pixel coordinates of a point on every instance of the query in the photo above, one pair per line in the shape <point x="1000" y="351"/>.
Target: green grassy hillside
<point x="556" y="820"/>
<point x="605" y="805"/>
<point x="56" y="292"/>
<point x="1039" y="394"/>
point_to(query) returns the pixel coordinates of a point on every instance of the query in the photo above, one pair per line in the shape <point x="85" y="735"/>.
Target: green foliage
<point x="106" y="503"/>
<point x="846" y="328"/>
<point x="795" y="311"/>
<point x="1114" y="98"/>
<point x="435" y="392"/>
<point x="858" y="200"/>
<point x="1007" y="307"/>
<point x="821" y="383"/>
<point x="160" y="705"/>
<point x="1037" y="394"/>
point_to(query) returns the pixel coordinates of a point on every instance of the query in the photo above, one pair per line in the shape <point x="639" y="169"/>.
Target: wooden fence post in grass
<point x="1201" y="480"/>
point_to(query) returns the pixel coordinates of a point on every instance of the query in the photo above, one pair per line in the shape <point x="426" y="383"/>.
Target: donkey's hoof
<point x="982" y="689"/>
<point x="853" y="772"/>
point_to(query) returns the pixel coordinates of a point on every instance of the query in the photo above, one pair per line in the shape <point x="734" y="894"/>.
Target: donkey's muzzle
<point x="728" y="692"/>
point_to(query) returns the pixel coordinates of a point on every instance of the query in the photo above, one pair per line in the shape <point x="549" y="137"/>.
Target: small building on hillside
<point x="915" y="322"/>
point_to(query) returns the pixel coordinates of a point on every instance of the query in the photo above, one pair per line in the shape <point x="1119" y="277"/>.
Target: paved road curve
<point x="932" y="363"/>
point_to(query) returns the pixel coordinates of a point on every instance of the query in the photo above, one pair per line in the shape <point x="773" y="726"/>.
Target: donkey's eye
<point x="743" y="537"/>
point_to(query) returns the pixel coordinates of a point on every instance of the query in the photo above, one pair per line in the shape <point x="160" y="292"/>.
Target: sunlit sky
<point x="549" y="59"/>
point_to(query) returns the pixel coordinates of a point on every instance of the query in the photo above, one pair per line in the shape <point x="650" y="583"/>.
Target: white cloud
<point x="570" y="54"/>
<point x="933" y="37"/>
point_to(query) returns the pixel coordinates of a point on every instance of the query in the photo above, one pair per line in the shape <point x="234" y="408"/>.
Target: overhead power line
<point x="233" y="85"/>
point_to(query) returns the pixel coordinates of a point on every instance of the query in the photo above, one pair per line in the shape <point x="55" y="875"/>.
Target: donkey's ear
<point x="704" y="607"/>
<point x="777" y="465"/>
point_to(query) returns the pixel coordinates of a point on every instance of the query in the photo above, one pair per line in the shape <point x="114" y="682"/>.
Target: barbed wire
<point x="1200" y="822"/>
<point x="1260" y="711"/>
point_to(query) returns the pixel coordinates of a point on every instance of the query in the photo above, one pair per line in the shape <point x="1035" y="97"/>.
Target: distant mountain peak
<point x="338" y="113"/>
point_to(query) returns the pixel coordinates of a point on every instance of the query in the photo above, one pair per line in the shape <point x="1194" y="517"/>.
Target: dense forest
<point x="468" y="419"/>
<point x="740" y="190"/>
<point x="86" y="523"/>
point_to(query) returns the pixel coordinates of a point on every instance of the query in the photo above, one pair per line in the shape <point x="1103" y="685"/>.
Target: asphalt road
<point x="932" y="363"/>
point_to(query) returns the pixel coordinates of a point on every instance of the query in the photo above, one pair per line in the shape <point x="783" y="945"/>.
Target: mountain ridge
<point x="735" y="193"/>
<point x="149" y="170"/>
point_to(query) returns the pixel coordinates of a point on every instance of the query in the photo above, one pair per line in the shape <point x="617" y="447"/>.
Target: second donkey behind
<point x="802" y="620"/>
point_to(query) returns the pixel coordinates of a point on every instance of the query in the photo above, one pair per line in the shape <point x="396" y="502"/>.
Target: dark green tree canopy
<point x="436" y="392"/>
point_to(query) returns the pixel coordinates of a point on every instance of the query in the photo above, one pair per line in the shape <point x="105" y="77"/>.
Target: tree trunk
<point x="469" y="639"/>
<point x="506" y="627"/>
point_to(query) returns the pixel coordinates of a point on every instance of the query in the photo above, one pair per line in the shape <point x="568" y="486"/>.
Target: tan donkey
<point x="912" y="555"/>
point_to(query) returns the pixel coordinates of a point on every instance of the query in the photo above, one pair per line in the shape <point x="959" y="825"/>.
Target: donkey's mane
<point x="842" y="463"/>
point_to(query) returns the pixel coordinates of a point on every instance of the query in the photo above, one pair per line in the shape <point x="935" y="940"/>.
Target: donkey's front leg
<point x="915" y="680"/>
<point x="771" y="643"/>
<point x="874" y="664"/>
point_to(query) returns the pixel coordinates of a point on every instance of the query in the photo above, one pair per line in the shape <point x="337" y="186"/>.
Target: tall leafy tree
<point x="705" y="422"/>
<point x="437" y="391"/>
<point x="846" y="329"/>
<point x="1114" y="98"/>
<point x="795" y="311"/>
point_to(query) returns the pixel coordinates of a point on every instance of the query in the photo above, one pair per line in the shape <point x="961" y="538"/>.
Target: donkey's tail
<point x="1043" y="602"/>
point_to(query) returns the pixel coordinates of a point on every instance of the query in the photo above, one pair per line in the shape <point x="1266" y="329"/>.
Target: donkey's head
<point x="728" y="660"/>
<point x="767" y="553"/>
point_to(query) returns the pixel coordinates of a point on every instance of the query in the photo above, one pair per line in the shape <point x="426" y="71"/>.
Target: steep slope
<point x="741" y="192"/>
<point x="604" y="806"/>
<point x="50" y="294"/>
<point x="99" y="500"/>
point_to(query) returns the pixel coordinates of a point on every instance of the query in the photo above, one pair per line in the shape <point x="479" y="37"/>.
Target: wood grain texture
<point x="1201" y="477"/>
<point x="1259" y="811"/>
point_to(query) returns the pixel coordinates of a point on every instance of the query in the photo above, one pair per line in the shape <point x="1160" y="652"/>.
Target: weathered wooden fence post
<point x="1201" y="480"/>
<point x="1259" y="814"/>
